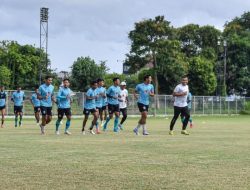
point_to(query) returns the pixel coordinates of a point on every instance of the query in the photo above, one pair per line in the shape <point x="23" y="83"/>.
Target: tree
<point x="145" y="39"/>
<point x="202" y="76"/>
<point x="5" y="74"/>
<point x="23" y="61"/>
<point x="237" y="33"/>
<point x="85" y="70"/>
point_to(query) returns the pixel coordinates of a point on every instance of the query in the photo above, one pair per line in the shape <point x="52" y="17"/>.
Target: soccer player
<point x="123" y="101"/>
<point x="36" y="104"/>
<point x="145" y="90"/>
<point x="180" y="105"/>
<point x="101" y="95"/>
<point x="46" y="95"/>
<point x="189" y="102"/>
<point x="18" y="97"/>
<point x="3" y="97"/>
<point x="64" y="107"/>
<point x="113" y="94"/>
<point x="90" y="107"/>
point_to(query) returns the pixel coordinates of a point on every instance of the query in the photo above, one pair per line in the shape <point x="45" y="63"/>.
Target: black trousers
<point x="184" y="111"/>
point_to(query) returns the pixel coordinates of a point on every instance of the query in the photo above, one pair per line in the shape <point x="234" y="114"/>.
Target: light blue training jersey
<point x="113" y="93"/>
<point x="63" y="98"/>
<point x="46" y="90"/>
<point x="100" y="99"/>
<point x="18" y="98"/>
<point x="90" y="103"/>
<point x="144" y="90"/>
<point x="189" y="100"/>
<point x="36" y="102"/>
<point x="3" y="96"/>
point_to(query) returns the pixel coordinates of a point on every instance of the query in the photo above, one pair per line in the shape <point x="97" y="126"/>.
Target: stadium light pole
<point x="225" y="65"/>
<point x="44" y="15"/>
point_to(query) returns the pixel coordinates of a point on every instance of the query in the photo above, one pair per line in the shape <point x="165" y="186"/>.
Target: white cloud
<point x="99" y="28"/>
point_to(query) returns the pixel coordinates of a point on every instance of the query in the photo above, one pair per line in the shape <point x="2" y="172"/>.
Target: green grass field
<point x="215" y="156"/>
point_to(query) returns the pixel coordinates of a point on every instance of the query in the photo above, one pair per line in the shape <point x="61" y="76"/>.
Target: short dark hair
<point x="184" y="76"/>
<point x="99" y="80"/>
<point x="65" y="79"/>
<point x="47" y="77"/>
<point x="37" y="86"/>
<point x="115" y="79"/>
<point x="146" y="77"/>
<point x="93" y="82"/>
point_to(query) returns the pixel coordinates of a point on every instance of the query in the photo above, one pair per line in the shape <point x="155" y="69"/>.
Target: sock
<point x="58" y="124"/>
<point x="20" y="121"/>
<point x="67" y="125"/>
<point x="182" y="119"/>
<point x="96" y="125"/>
<point x="106" y="123"/>
<point x="144" y="128"/>
<point x="16" y="119"/>
<point x="2" y="121"/>
<point x="191" y="120"/>
<point x="138" y="126"/>
<point x="116" y="123"/>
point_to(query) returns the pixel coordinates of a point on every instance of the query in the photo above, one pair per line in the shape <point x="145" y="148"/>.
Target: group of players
<point x="101" y="103"/>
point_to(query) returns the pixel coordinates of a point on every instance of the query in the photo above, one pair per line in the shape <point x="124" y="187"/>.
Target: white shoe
<point x="83" y="133"/>
<point x="67" y="133"/>
<point x="57" y="133"/>
<point x="92" y="132"/>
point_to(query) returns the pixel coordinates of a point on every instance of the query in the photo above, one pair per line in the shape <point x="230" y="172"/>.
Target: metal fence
<point x="160" y="105"/>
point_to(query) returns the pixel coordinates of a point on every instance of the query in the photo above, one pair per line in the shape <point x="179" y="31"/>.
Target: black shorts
<point x="2" y="107"/>
<point x="124" y="111"/>
<point x="63" y="111"/>
<point x="37" y="109"/>
<point x="18" y="109"/>
<point x="142" y="107"/>
<point x="99" y="109"/>
<point x="88" y="111"/>
<point x="113" y="108"/>
<point x="46" y="111"/>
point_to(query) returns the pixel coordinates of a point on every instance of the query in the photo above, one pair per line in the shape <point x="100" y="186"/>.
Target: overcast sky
<point x="99" y="28"/>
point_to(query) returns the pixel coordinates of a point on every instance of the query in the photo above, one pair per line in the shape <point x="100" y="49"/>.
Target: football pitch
<point x="216" y="155"/>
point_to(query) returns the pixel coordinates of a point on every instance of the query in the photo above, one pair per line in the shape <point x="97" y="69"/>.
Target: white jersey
<point x="123" y="99"/>
<point x="181" y="101"/>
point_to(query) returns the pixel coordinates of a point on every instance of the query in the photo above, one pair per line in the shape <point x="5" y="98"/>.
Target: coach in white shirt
<point x="123" y="101"/>
<point x="180" y="105"/>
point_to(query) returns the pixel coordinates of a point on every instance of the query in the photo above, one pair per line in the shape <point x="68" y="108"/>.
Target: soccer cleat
<point x="171" y="132"/>
<point x="20" y="124"/>
<point x="92" y="132"/>
<point x="15" y="125"/>
<point x="83" y="133"/>
<point x="136" y="131"/>
<point x="145" y="133"/>
<point x="67" y="133"/>
<point x="2" y="126"/>
<point x="184" y="132"/>
<point x="120" y="127"/>
<point x="57" y="133"/>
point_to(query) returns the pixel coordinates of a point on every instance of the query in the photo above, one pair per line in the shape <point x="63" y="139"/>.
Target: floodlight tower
<point x="44" y="15"/>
